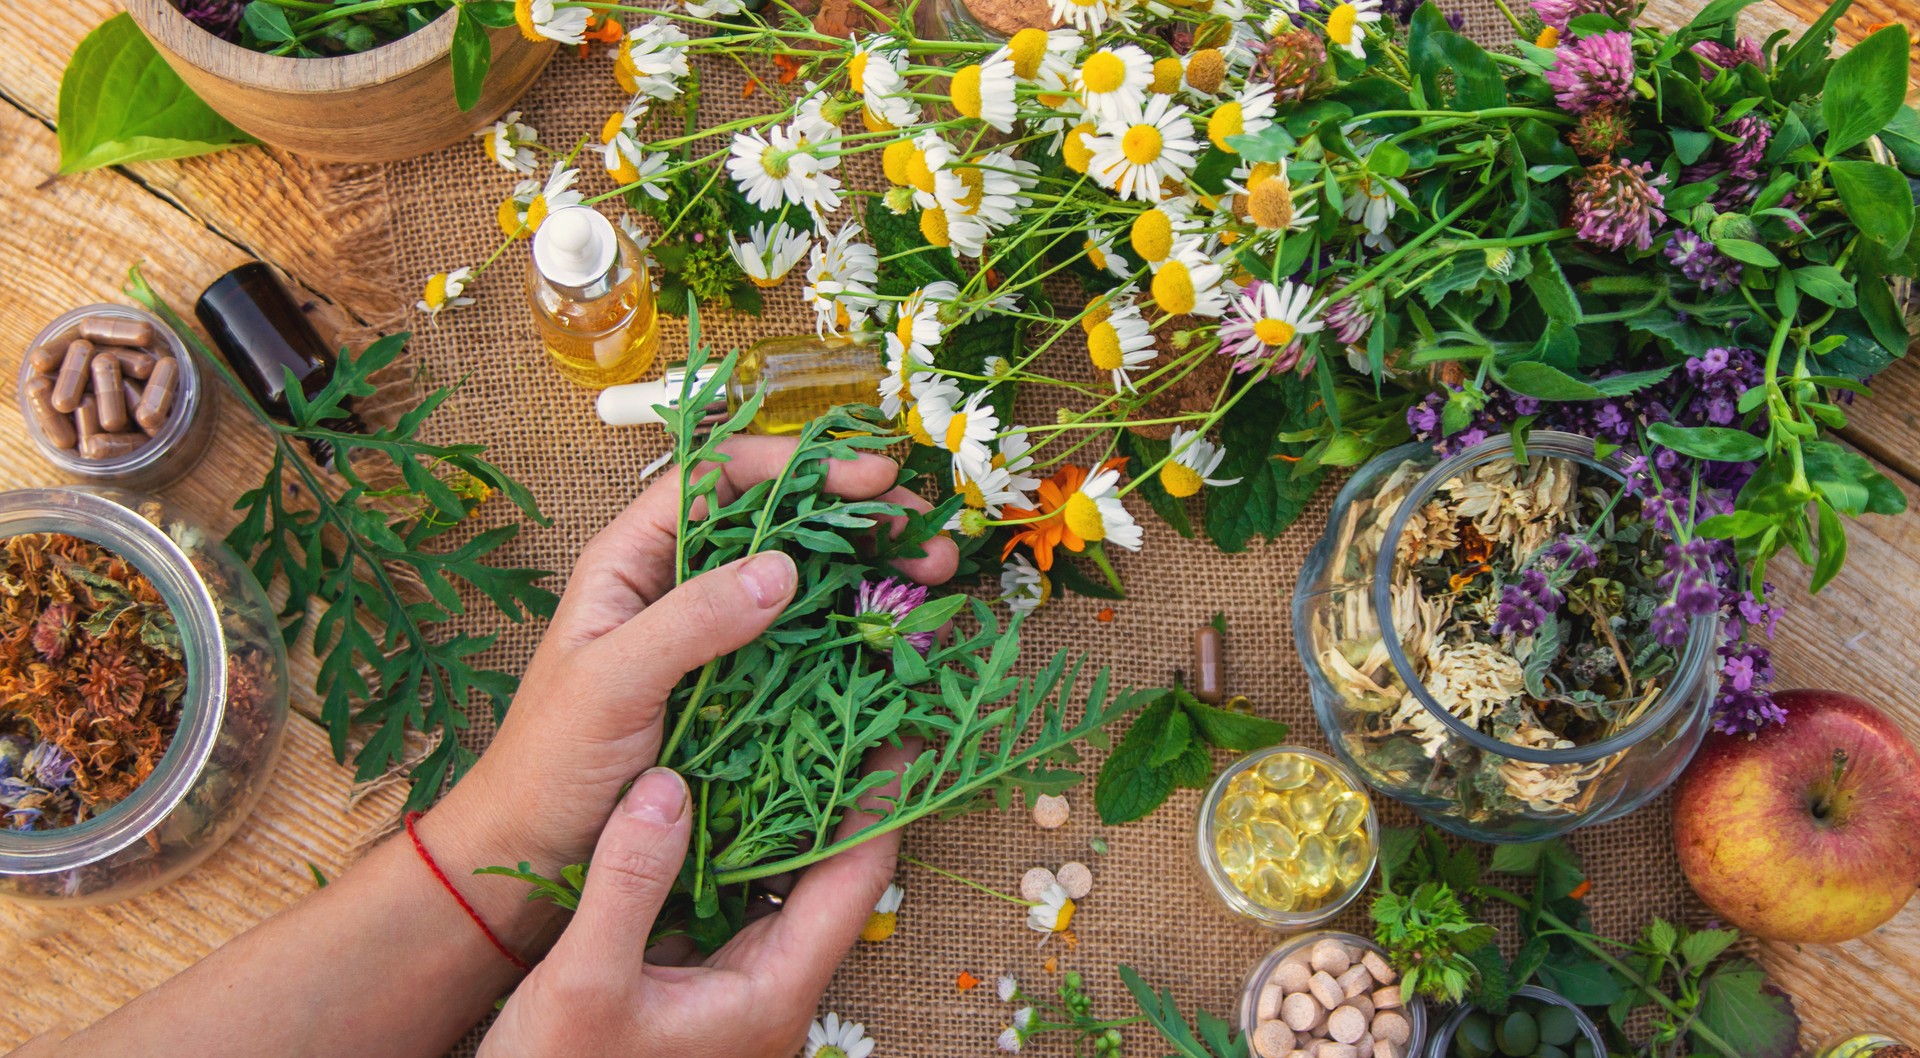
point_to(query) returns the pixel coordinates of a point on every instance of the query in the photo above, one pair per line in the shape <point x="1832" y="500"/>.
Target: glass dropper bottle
<point x="801" y="378"/>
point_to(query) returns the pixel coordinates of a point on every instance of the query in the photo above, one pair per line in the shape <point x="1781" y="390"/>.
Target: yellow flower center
<point x="1152" y="235"/>
<point x="625" y="73"/>
<point x="956" y="431"/>
<point x="917" y="427"/>
<point x="1103" y="346"/>
<point x="1027" y="48"/>
<point x="903" y="330"/>
<point x="919" y="176"/>
<point x="975" y="183"/>
<point x="1077" y="150"/>
<point x="436" y="293"/>
<point x="774" y="161"/>
<point x="624" y="172"/>
<point x="1095" y="257"/>
<point x="1097" y="313"/>
<point x="893" y="160"/>
<point x="536" y="212"/>
<point x="880" y="926"/>
<point x="1142" y="144"/>
<point x="857" y="72"/>
<point x="1166" y="76"/>
<point x="1548" y="38"/>
<point x="1173" y="288"/>
<point x="523" y="14"/>
<point x="1180" y="480"/>
<point x="1082" y="516"/>
<point x="1103" y="72"/>
<point x="965" y="90"/>
<point x="1343" y="24"/>
<point x="1061" y="923"/>
<point x="1274" y="332"/>
<point x="509" y="217"/>
<point x="1270" y="204"/>
<point x="609" y="130"/>
<point x="1228" y="120"/>
<point x="933" y="226"/>
<point x="874" y="122"/>
<point x="973" y="494"/>
<point x="1206" y="69"/>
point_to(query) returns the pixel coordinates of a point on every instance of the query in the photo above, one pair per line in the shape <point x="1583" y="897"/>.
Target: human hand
<point x="588" y="717"/>
<point x="594" y="994"/>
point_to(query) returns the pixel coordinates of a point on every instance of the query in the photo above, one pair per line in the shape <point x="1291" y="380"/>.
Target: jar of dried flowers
<point x="143" y="694"/>
<point x="1501" y="641"/>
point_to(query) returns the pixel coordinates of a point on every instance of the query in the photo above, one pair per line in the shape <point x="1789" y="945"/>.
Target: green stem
<point x="968" y="882"/>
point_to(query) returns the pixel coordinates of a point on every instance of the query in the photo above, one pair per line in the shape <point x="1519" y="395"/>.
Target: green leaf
<point x="494" y="14"/>
<point x="1517" y="859"/>
<point x="1239" y="732"/>
<point x="268" y="22"/>
<point x="1825" y="283"/>
<point x="1877" y="199"/>
<point x="472" y="55"/>
<point x="1146" y="452"/>
<point x="1581" y="978"/>
<point x="1738" y="1005"/>
<point x="1746" y="251"/>
<point x="1865" y="90"/>
<point x="1705" y="945"/>
<point x="1661" y="936"/>
<point x="1717" y="12"/>
<point x="1176" y="734"/>
<point x="1270" y="495"/>
<point x="120" y="102"/>
<point x="1832" y="553"/>
<point x="1902" y="139"/>
<point x="1718" y="443"/>
<point x="1545" y="382"/>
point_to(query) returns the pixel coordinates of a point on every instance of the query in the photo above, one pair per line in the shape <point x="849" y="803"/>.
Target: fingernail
<point x="658" y="796"/>
<point x="769" y="578"/>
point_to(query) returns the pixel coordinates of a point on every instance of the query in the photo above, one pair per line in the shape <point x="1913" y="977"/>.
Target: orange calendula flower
<point x="1060" y="522"/>
<point x="966" y="982"/>
<point x="1105" y="616"/>
<point x="788" y="66"/>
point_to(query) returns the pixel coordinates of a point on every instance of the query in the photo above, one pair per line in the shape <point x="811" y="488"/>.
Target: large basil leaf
<point x="1865" y="90"/>
<point x="120" y="102"/>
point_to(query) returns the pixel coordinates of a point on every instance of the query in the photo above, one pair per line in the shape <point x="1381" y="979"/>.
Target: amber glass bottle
<point x="592" y="300"/>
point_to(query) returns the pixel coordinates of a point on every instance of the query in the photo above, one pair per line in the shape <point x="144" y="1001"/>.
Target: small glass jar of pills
<point x="1287" y="837"/>
<point x="1327" y="992"/>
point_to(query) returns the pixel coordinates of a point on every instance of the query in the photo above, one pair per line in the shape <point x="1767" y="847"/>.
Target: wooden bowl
<point x="390" y="102"/>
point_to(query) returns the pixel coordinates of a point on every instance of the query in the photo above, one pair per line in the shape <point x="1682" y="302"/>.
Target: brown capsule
<point x="116" y="330"/>
<point x="134" y="363"/>
<point x="56" y="426"/>
<point x="86" y="418"/>
<point x="131" y="393"/>
<point x="157" y="401"/>
<point x="111" y="445"/>
<point x="1209" y="665"/>
<point x="71" y="384"/>
<point x="112" y="404"/>
<point x="45" y="359"/>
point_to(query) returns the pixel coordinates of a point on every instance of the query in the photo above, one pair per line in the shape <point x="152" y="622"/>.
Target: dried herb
<point x="343" y="547"/>
<point x="91" y="677"/>
<point x="771" y="737"/>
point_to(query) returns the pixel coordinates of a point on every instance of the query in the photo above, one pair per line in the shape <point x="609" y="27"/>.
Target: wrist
<point x="470" y="829"/>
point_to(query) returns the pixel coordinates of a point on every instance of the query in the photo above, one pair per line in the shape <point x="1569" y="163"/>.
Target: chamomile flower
<point x="770" y="252"/>
<point x="656" y="59"/>
<point x="985" y="91"/>
<point x="556" y="194"/>
<point x="544" y="20"/>
<point x="885" y="917"/>
<point x="1347" y="25"/>
<point x="625" y="158"/>
<point x="1190" y="282"/>
<point x="1194" y="460"/>
<point x="874" y="72"/>
<point x="712" y="8"/>
<point x="1144" y="150"/>
<point x="1121" y="344"/>
<point x="1016" y="454"/>
<point x="1101" y="254"/>
<point x="980" y="199"/>
<point x="443" y="291"/>
<point x="510" y="143"/>
<point x="1245" y="114"/>
<point x="1090" y="16"/>
<point x="1034" y="51"/>
<point x="1053" y="912"/>
<point x="917" y="321"/>
<point x="832" y="1038"/>
<point x="1270" y="202"/>
<point x="933" y="399"/>
<point x="1155" y="232"/>
<point x="1373" y="204"/>
<point x="776" y="166"/>
<point x="1014" y="1036"/>
<point x="1024" y="589"/>
<point x="1112" y="83"/>
<point x="989" y="490"/>
<point x="1266" y="323"/>
<point x="840" y="280"/>
<point x="904" y="362"/>
<point x="966" y="430"/>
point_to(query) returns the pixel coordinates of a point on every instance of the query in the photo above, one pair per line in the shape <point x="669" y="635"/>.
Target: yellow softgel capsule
<point x="1272" y="840"/>
<point x="1273" y="808"/>
<point x="1310" y="805"/>
<point x="1345" y="814"/>
<point x="1350" y="857"/>
<point x="1237" y="809"/>
<point x="1234" y="850"/>
<point x="1246" y="785"/>
<point x="1316" y="863"/>
<point x="1285" y="771"/>
<point x="1271" y="888"/>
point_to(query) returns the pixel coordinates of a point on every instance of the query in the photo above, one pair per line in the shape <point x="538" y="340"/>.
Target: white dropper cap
<point x="574" y="247"/>
<point x="634" y="404"/>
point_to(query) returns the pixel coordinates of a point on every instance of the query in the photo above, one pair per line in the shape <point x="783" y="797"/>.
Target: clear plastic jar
<point x="1858" y="1045"/>
<point x="1343" y="606"/>
<point x="1247" y="1015"/>
<point x="1442" y="1042"/>
<point x="232" y="716"/>
<point x="1348" y="881"/>
<point x="172" y="451"/>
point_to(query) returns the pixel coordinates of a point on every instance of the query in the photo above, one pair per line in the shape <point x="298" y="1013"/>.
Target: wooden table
<point x="69" y="242"/>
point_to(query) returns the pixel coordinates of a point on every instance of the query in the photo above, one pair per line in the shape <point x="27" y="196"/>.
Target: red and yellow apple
<point x="1808" y="832"/>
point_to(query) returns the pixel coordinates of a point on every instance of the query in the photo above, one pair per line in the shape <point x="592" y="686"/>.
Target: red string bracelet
<point x="447" y="883"/>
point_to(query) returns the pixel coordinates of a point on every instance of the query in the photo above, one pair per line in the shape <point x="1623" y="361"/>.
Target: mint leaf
<point x="120" y="102"/>
<point x="1229" y="730"/>
<point x="1269" y="496"/>
<point x="1703" y="946"/>
<point x="1743" y="1010"/>
<point x="1174" y="738"/>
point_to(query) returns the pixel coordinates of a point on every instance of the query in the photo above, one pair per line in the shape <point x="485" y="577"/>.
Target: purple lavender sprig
<point x="879" y="607"/>
<point x="1702" y="263"/>
<point x="1527" y="604"/>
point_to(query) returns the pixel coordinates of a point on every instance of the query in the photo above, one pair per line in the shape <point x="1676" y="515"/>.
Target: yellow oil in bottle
<point x="605" y="332"/>
<point x="802" y="377"/>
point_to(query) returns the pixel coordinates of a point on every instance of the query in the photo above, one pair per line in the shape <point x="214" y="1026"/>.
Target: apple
<point x="1808" y="832"/>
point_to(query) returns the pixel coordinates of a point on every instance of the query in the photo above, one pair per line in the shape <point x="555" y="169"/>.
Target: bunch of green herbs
<point x="363" y="556"/>
<point x="1167" y="748"/>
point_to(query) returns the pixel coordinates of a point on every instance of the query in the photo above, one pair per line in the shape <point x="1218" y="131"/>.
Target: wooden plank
<point x="326" y="225"/>
<point x="68" y="968"/>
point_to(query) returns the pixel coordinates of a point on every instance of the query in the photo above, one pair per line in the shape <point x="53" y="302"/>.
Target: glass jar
<point x="1247" y="1015"/>
<point x="232" y="716"/>
<point x="1385" y="723"/>
<point x="1858" y="1045"/>
<point x="1349" y="854"/>
<point x="172" y="451"/>
<point x="1442" y="1044"/>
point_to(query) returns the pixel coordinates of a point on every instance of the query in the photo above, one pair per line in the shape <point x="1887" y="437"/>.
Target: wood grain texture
<point x="384" y="104"/>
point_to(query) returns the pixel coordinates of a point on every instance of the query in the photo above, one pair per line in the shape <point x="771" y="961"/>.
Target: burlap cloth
<point x="1149" y="907"/>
